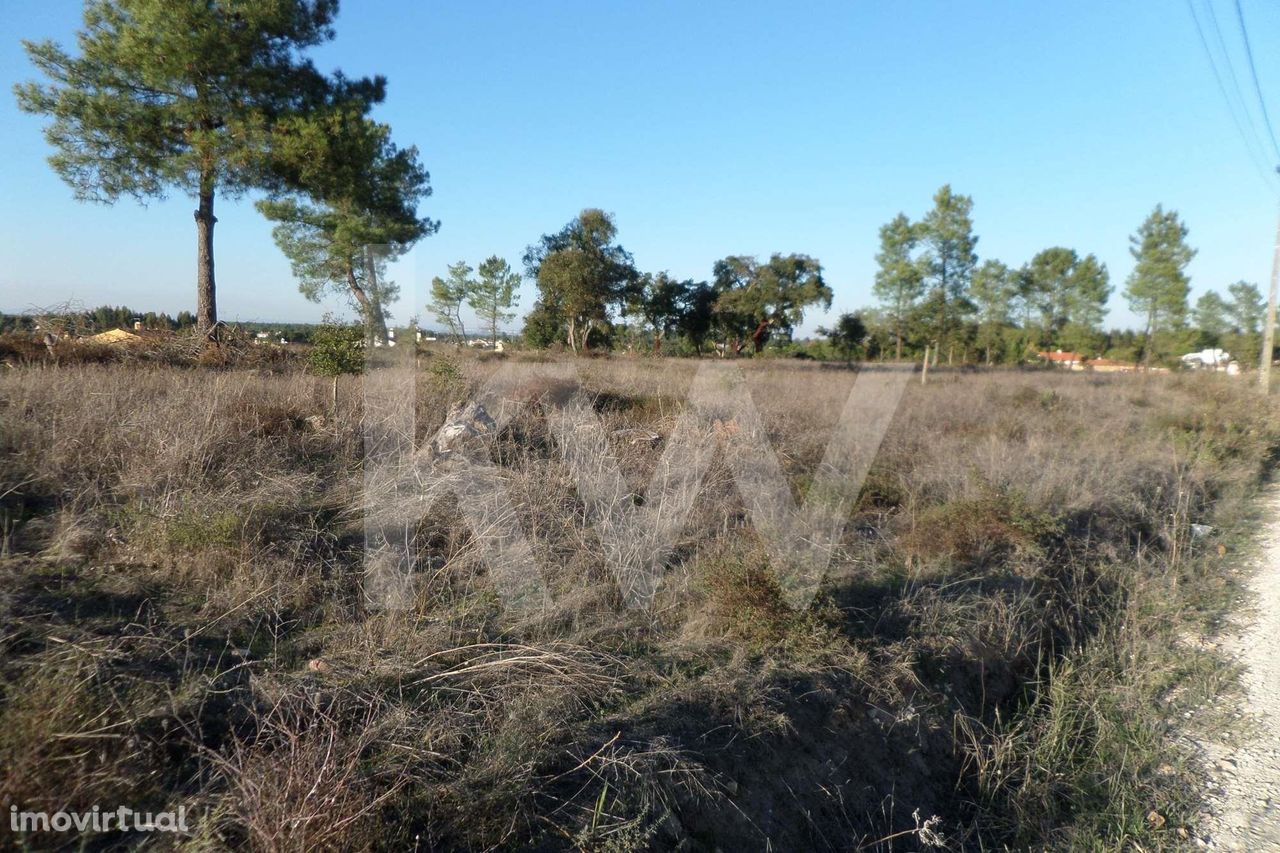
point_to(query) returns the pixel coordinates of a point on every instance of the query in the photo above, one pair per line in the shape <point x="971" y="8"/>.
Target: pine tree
<point x="1158" y="287"/>
<point x="176" y="95"/>
<point x="993" y="289"/>
<point x="1247" y="313"/>
<point x="899" y="280"/>
<point x="493" y="293"/>
<point x="449" y="295"/>
<point x="348" y="205"/>
<point x="948" y="241"/>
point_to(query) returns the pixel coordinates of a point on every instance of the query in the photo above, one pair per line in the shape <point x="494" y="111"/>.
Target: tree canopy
<point x="347" y="203"/>
<point x="1158" y="287"/>
<point x="493" y="293"/>
<point x="758" y="300"/>
<point x="182" y="96"/>
<point x="899" y="281"/>
<point x="582" y="274"/>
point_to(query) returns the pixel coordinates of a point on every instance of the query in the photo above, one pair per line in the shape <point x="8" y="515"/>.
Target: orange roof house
<point x="1062" y="359"/>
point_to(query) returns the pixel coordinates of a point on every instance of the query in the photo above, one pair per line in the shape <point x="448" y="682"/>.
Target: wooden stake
<point x="1268" y="333"/>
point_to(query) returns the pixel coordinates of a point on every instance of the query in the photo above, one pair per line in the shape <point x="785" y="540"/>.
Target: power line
<point x="1231" y="72"/>
<point x="1253" y="70"/>
<point x="1251" y="140"/>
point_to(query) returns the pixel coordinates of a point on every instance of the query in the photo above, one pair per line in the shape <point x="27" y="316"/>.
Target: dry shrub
<point x="304" y="780"/>
<point x="1016" y="533"/>
<point x="979" y="531"/>
<point x="743" y="598"/>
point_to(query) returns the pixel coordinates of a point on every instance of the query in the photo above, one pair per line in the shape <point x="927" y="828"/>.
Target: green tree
<point x="1070" y="293"/>
<point x="544" y="326"/>
<point x="184" y="95"/>
<point x="349" y="205"/>
<point x="697" y="314"/>
<point x="1090" y="288"/>
<point x="493" y="293"/>
<point x="449" y="295"/>
<point x="1048" y="281"/>
<point x="1210" y="318"/>
<point x="847" y="336"/>
<point x="759" y="300"/>
<point x="899" y="279"/>
<point x="661" y="301"/>
<point x="948" y="243"/>
<point x="583" y="274"/>
<point x="993" y="289"/>
<point x="1247" y="314"/>
<point x="1158" y="287"/>
<point x="336" y="349"/>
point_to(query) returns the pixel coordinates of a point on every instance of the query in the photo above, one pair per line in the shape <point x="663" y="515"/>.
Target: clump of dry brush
<point x="993" y="658"/>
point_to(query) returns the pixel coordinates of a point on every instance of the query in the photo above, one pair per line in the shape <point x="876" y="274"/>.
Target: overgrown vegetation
<point x="997" y="658"/>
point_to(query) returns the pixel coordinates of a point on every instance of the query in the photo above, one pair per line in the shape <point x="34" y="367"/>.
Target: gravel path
<point x="1245" y="796"/>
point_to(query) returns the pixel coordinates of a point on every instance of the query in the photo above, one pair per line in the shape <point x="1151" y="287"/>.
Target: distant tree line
<point x="102" y="318"/>
<point x="933" y="291"/>
<point x="591" y="295"/>
<point x="212" y="100"/>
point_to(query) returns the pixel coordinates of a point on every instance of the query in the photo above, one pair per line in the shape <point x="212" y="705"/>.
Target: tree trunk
<point x="758" y="336"/>
<point x="1151" y="336"/>
<point x="657" y="342"/>
<point x="374" y="325"/>
<point x="379" y="322"/>
<point x="898" y="355"/>
<point x="206" y="298"/>
<point x="573" y="338"/>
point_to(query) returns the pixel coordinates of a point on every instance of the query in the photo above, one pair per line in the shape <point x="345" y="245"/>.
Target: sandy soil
<point x="1244" y="796"/>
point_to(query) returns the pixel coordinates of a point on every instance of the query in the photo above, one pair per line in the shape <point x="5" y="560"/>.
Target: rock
<point x="1199" y="531"/>
<point x="463" y="423"/>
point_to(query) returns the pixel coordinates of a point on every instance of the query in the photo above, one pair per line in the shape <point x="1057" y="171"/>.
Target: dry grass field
<point x="997" y="658"/>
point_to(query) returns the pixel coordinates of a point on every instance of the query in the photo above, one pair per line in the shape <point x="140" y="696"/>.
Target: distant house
<point x="1067" y="360"/>
<point x="1109" y="365"/>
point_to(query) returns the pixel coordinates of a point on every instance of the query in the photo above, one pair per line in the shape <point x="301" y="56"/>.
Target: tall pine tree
<point x="183" y="95"/>
<point x="948" y="241"/>
<point x="1158" y="287"/>
<point x="899" y="279"/>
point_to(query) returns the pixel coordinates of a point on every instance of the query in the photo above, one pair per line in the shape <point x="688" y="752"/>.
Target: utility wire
<point x="1251" y="141"/>
<point x="1253" y="70"/>
<point x="1236" y="90"/>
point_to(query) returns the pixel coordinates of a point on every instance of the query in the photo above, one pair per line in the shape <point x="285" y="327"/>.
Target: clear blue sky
<point x="712" y="129"/>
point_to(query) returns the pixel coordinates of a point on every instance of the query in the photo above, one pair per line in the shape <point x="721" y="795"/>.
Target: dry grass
<point x="995" y="643"/>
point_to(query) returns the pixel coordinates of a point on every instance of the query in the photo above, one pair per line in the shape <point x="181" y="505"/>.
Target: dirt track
<point x="1246" y="795"/>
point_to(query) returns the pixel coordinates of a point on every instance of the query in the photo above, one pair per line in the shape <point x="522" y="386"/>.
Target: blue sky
<point x="712" y="129"/>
